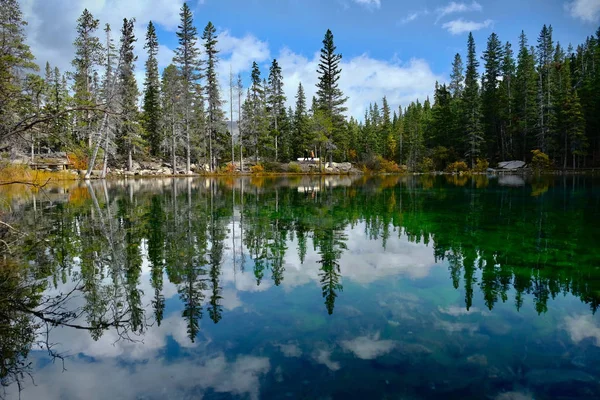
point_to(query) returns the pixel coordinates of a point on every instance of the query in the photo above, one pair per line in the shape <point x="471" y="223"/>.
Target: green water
<point x="312" y="288"/>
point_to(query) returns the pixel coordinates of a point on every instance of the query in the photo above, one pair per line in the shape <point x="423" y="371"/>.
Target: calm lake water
<point x="418" y="287"/>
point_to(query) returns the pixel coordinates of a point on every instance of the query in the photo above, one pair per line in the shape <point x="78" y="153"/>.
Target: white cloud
<point x="585" y="10"/>
<point x="455" y="8"/>
<point x="364" y="80"/>
<point x="413" y="16"/>
<point x="458" y="26"/>
<point x="51" y="32"/>
<point x="369" y="3"/>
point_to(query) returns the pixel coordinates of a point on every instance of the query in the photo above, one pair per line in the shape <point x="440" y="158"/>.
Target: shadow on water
<point x="88" y="257"/>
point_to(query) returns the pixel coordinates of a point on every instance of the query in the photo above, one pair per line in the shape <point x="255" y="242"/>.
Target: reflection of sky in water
<point x="399" y="328"/>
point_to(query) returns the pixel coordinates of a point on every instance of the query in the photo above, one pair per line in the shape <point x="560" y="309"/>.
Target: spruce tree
<point x="187" y="59"/>
<point x="275" y="100"/>
<point x="88" y="54"/>
<point x="457" y="78"/>
<point x="151" y="101"/>
<point x="129" y="128"/>
<point x="15" y="57"/>
<point x="256" y="92"/>
<point x="471" y="104"/>
<point x="525" y="98"/>
<point x="331" y="99"/>
<point x="302" y="140"/>
<point x="215" y="116"/>
<point x="171" y="93"/>
<point x="490" y="98"/>
<point x="545" y="49"/>
<point x="508" y="69"/>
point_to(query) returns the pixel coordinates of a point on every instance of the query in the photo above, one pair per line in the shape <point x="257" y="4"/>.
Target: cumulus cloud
<point x="51" y="32"/>
<point x="458" y="26"/>
<point x="364" y="79"/>
<point x="369" y="3"/>
<point x="585" y="10"/>
<point x="455" y="8"/>
<point x="368" y="347"/>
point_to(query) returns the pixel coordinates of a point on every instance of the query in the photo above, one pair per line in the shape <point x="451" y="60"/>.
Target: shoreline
<point x="57" y="176"/>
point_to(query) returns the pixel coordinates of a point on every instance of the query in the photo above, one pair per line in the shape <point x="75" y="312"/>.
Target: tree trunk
<point x="276" y="136"/>
<point x="129" y="159"/>
<point x="173" y="161"/>
<point x="105" y="161"/>
<point x="103" y="127"/>
<point x="566" y="153"/>
<point x="187" y="139"/>
<point x="210" y="134"/>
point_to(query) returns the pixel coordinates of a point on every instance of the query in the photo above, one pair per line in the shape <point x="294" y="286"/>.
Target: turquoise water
<point x="310" y="288"/>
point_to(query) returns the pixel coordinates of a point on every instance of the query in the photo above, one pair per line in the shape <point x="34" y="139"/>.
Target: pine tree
<point x="471" y="104"/>
<point x="15" y="57"/>
<point x="188" y="61"/>
<point x="545" y="49"/>
<point x="457" y="79"/>
<point x="331" y="99"/>
<point x="215" y="116"/>
<point x="506" y="99"/>
<point x="257" y="105"/>
<point x="275" y="100"/>
<point x="490" y="97"/>
<point x="151" y="101"/>
<point x="302" y="139"/>
<point x="525" y="98"/>
<point x="172" y="95"/>
<point x="129" y="129"/>
<point x="88" y="54"/>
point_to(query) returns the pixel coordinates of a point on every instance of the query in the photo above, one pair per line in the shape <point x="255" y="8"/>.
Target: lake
<point x="412" y="287"/>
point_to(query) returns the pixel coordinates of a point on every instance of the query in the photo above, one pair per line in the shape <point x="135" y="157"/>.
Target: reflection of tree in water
<point x="155" y="218"/>
<point x="495" y="239"/>
<point x="331" y="244"/>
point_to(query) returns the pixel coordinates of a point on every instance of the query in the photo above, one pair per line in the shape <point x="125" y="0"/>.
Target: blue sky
<point x="395" y="48"/>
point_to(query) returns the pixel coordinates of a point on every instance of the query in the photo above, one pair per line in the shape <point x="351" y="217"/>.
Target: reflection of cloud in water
<point x="581" y="327"/>
<point x="364" y="261"/>
<point x="323" y="356"/>
<point x="290" y="349"/>
<point x="158" y="379"/>
<point x="368" y="347"/>
<point x="457" y="311"/>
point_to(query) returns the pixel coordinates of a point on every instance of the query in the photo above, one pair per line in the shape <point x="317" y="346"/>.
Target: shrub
<point x="540" y="161"/>
<point x="294" y="168"/>
<point x="380" y="164"/>
<point x="272" y="167"/>
<point x="229" y="168"/>
<point x="257" y="169"/>
<point x="79" y="158"/>
<point x="426" y="165"/>
<point x="457" y="166"/>
<point x="482" y="165"/>
<point x="389" y="166"/>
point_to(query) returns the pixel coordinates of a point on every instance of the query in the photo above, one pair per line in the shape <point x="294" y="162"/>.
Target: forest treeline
<point x="538" y="97"/>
